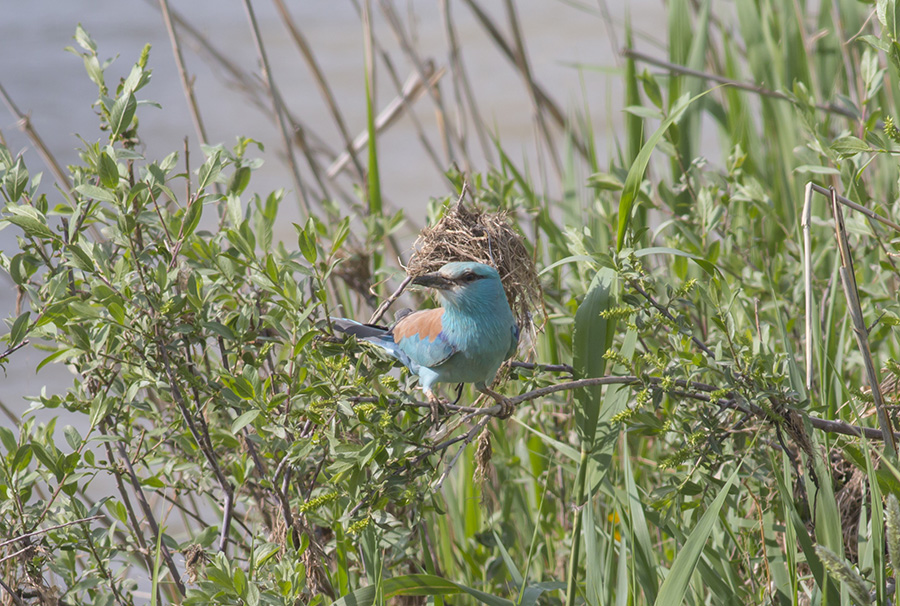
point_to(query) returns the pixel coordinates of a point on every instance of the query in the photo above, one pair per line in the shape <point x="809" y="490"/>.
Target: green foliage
<point x="286" y="467"/>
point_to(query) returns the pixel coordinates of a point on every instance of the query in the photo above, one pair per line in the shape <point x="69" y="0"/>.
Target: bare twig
<point x="851" y="204"/>
<point x="521" y="59"/>
<point x="748" y="86"/>
<point x="12" y="594"/>
<point x="462" y="87"/>
<point x="204" y="443"/>
<point x="48" y="529"/>
<point x="25" y="125"/>
<point x="322" y="84"/>
<point x="277" y="106"/>
<point x="14" y="348"/>
<point x="148" y="514"/>
<point x="390" y="300"/>
<point x="16" y="553"/>
<point x="410" y="92"/>
<point x="186" y="84"/>
<point x="542" y="96"/>
<point x="467" y="439"/>
<point x="728" y="402"/>
<point x="543" y="367"/>
<point x="805" y="219"/>
<point x="851" y="293"/>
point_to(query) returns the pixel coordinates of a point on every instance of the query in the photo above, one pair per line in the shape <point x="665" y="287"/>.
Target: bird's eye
<point x="468" y="277"/>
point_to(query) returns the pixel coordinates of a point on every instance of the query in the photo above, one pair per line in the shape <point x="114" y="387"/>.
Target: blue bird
<point x="463" y="341"/>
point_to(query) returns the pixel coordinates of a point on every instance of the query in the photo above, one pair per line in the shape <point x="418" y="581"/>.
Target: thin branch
<point x="851" y="204"/>
<point x="851" y="293"/>
<point x="467" y="438"/>
<point x="49" y="529"/>
<point x="25" y="125"/>
<point x="148" y="514"/>
<point x="277" y="106"/>
<point x="669" y="316"/>
<point x="186" y="84"/>
<point x="729" y="402"/>
<point x="14" y="348"/>
<point x="322" y="84"/>
<point x="390" y="300"/>
<point x="543" y="367"/>
<point x="543" y="97"/>
<point x="205" y="445"/>
<point x="748" y="86"/>
<point x="410" y="92"/>
<point x="12" y="594"/>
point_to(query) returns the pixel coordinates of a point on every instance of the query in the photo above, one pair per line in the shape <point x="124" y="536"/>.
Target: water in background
<point x="51" y="86"/>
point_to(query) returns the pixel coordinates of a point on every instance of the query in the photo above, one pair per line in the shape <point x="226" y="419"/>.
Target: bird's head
<point x="463" y="284"/>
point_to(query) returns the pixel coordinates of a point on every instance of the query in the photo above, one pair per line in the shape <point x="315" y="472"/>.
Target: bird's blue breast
<point x="470" y="346"/>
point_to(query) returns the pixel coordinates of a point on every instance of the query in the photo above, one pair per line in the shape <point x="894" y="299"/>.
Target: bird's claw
<point x="507" y="407"/>
<point x="437" y="407"/>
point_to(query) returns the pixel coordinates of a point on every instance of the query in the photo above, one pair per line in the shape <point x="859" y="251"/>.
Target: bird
<point x="465" y="340"/>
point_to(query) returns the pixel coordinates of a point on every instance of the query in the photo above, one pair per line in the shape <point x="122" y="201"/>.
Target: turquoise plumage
<point x="464" y="341"/>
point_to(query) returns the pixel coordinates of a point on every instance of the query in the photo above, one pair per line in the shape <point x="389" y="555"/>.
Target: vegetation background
<point x="681" y="436"/>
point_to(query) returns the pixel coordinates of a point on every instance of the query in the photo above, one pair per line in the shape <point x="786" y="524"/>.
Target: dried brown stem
<point x="25" y="125"/>
<point x="322" y="84"/>
<point x="186" y="84"/>
<point x="278" y="107"/>
<point x="748" y="86"/>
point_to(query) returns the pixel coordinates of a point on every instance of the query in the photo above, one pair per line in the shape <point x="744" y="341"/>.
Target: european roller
<point x="463" y="341"/>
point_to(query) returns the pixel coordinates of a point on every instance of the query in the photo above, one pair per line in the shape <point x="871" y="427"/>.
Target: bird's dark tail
<point x="357" y="329"/>
<point x="376" y="335"/>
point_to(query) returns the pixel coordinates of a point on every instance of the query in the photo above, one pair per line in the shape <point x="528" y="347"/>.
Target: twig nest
<point x="465" y="234"/>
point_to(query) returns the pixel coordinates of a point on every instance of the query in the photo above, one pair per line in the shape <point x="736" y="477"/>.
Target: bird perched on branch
<point x="463" y="341"/>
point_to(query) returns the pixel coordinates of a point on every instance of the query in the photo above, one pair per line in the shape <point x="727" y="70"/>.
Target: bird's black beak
<point x="434" y="280"/>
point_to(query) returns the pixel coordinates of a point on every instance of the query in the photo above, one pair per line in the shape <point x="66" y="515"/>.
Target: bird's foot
<point x="507" y="407"/>
<point x="436" y="405"/>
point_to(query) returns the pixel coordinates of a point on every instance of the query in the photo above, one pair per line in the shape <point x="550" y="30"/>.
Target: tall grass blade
<point x="373" y="180"/>
<point x="674" y="588"/>
<point x="636" y="172"/>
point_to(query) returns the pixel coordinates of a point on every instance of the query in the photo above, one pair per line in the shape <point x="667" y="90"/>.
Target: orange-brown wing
<point x="420" y="336"/>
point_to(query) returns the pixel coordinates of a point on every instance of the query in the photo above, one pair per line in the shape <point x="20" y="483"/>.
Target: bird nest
<point x="465" y="234"/>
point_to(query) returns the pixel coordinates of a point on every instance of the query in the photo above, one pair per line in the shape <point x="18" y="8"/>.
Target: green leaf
<point x="80" y="259"/>
<point x="45" y="457"/>
<point x="604" y="181"/>
<point x="239" y="180"/>
<point x="97" y="193"/>
<point x="817" y="170"/>
<point x="210" y="170"/>
<point x="191" y="218"/>
<point x="73" y="438"/>
<point x="849" y="146"/>
<point x="16" y="180"/>
<point x="19" y="329"/>
<point x="592" y="338"/>
<point x="219" y="329"/>
<point x="56" y="355"/>
<point x="8" y="439"/>
<point x="307" y="246"/>
<point x="31" y="220"/>
<point x="636" y="172"/>
<point x="122" y="113"/>
<point x="108" y="170"/>
<point x="241" y="387"/>
<point x="245" y="419"/>
<point x="84" y="39"/>
<point x="673" y="590"/>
